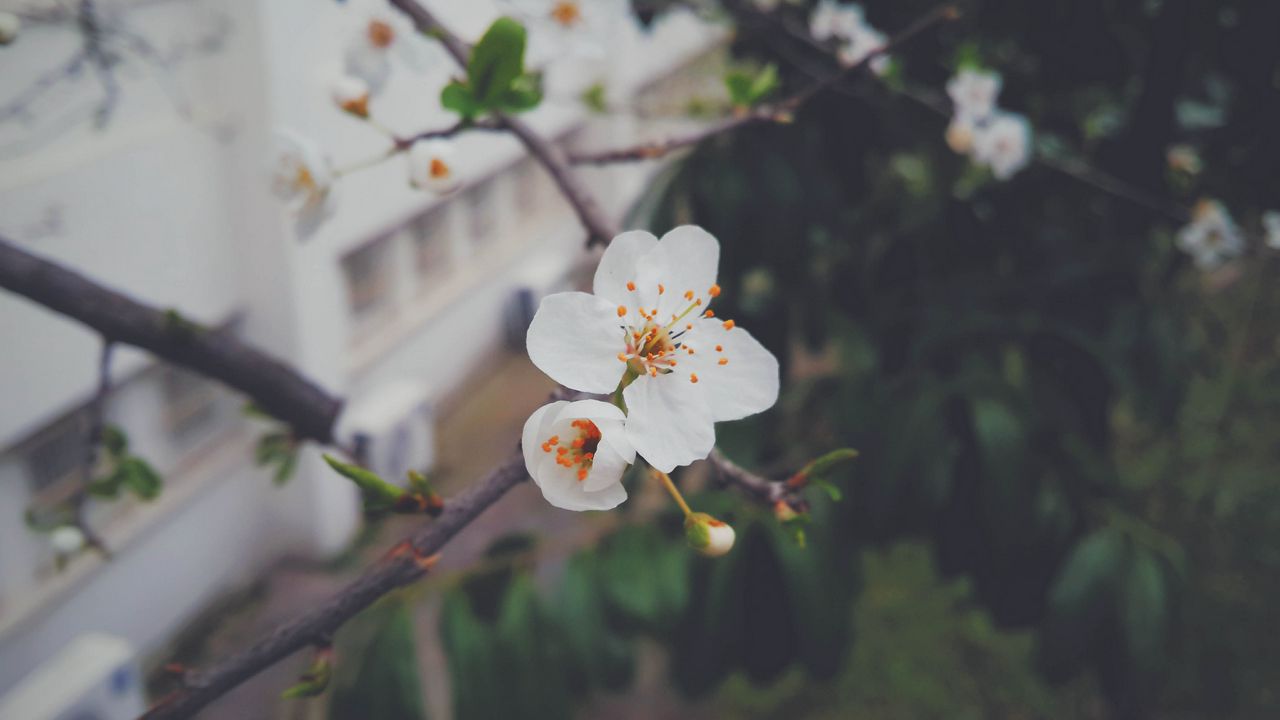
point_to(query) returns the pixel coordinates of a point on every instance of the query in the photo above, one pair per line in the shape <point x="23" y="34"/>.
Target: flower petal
<point x="668" y="421"/>
<point x="618" y="266"/>
<point x="747" y="383"/>
<point x="686" y="259"/>
<point x="606" y="469"/>
<point x="590" y="410"/>
<point x="575" y="338"/>
<point x="530" y="442"/>
<point x="561" y="487"/>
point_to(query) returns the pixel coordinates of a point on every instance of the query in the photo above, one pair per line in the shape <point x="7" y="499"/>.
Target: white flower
<point x="960" y="133"/>
<point x="861" y="42"/>
<point x="1271" y="228"/>
<point x="351" y="94"/>
<point x="66" y="540"/>
<point x="380" y="31"/>
<point x="576" y="452"/>
<point x="833" y="20"/>
<point x="303" y="176"/>
<point x="1003" y="143"/>
<point x="432" y="167"/>
<point x="1211" y="237"/>
<point x="707" y="535"/>
<point x="10" y="26"/>
<point x="559" y="29"/>
<point x="974" y="92"/>
<point x="649" y="323"/>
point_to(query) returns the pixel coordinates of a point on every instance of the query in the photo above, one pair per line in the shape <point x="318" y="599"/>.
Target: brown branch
<point x="766" y="492"/>
<point x="780" y="112"/>
<point x="273" y="386"/>
<point x="406" y="142"/>
<point x="96" y="411"/>
<point x="321" y="622"/>
<point x="600" y="229"/>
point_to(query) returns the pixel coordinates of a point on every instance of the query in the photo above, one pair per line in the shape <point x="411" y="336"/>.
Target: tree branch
<point x="400" y="569"/>
<point x="93" y="439"/>
<point x="766" y="492"/>
<point x="273" y="386"/>
<point x="600" y="229"/>
<point x="782" y="111"/>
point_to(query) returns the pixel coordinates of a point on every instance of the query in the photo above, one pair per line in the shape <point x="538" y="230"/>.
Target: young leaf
<point x="524" y="94"/>
<point x="458" y="97"/>
<point x="138" y="476"/>
<point x="496" y="61"/>
<point x="378" y="493"/>
<point x="114" y="440"/>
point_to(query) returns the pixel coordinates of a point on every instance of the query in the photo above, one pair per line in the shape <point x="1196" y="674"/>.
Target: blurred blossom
<point x="432" y="166"/>
<point x="1271" y="228"/>
<point x="649" y="324"/>
<point x="833" y="20"/>
<point x="380" y="31"/>
<point x="974" y="92"/>
<point x="303" y="176"/>
<point x="862" y="41"/>
<point x="351" y="94"/>
<point x="1184" y="159"/>
<point x="1212" y="236"/>
<point x="577" y="452"/>
<point x="66" y="540"/>
<point x="1002" y="143"/>
<point x="10" y="26"/>
<point x="960" y="133"/>
<point x="564" y="28"/>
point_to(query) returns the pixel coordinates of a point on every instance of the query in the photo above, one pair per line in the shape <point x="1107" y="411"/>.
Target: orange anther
<point x="693" y="377"/>
<point x="728" y="324"/>
<point x="714" y="291"/>
<point x="622" y="311"/>
<point x="724" y="361"/>
<point x="631" y="286"/>
<point x="697" y="302"/>
<point x="719" y="348"/>
<point x="577" y="443"/>
<point x="622" y="357"/>
<point x="554" y="439"/>
<point x="688" y="326"/>
<point x="688" y="295"/>
<point x="653" y="371"/>
<point x="661" y="289"/>
<point x="708" y="313"/>
<point x="582" y="474"/>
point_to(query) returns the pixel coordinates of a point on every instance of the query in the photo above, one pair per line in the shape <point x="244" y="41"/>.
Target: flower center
<point x="381" y="34"/>
<point x="566" y="13"/>
<point x="578" y="452"/>
<point x="303" y="179"/>
<point x="438" y="169"/>
<point x="655" y="348"/>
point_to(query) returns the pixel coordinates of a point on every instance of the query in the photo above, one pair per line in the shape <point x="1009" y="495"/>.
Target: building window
<point x="190" y="404"/>
<point x="432" y="256"/>
<point x="529" y="189"/>
<point x="370" y="279"/>
<point x="56" y="458"/>
<point x="484" y="205"/>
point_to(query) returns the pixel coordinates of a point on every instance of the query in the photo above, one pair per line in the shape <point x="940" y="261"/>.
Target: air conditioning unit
<point x="391" y="428"/>
<point x="96" y="677"/>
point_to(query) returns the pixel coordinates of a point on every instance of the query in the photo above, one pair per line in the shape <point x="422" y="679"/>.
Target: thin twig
<point x="600" y="229"/>
<point x="96" y="411"/>
<point x="780" y="112"/>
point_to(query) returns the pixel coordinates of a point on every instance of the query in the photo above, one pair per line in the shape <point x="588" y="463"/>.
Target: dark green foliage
<point x="496" y="79"/>
<point x="376" y="675"/>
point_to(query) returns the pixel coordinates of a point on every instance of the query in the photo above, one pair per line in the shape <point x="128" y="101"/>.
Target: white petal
<point x="532" y="438"/>
<point x="561" y="487"/>
<point x="668" y="421"/>
<point x="618" y="266"/>
<point x="614" y="434"/>
<point x="575" y="338"/>
<point x="607" y="467"/>
<point x="590" y="410"/>
<point x="687" y="258"/>
<point x="746" y="384"/>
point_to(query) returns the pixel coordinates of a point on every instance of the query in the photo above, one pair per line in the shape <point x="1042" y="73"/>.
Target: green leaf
<point x="1144" y="612"/>
<point x="457" y="97"/>
<point x="140" y="478"/>
<point x="378" y="493"/>
<point x="496" y="61"/>
<point x="285" y="469"/>
<point x="1078" y="602"/>
<point x="524" y="94"/>
<point x="595" y="98"/>
<point x="747" y="88"/>
<point x="114" y="440"/>
<point x="377" y="676"/>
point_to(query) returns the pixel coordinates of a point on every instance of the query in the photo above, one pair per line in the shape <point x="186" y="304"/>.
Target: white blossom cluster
<point x="991" y="137"/>
<point x="648" y="338"/>
<point x="845" y="25"/>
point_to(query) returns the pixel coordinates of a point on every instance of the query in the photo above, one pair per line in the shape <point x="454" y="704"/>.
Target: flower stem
<point x="671" y="488"/>
<point x="361" y="165"/>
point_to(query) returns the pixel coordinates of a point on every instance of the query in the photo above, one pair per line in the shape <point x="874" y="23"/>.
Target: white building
<point x="168" y="201"/>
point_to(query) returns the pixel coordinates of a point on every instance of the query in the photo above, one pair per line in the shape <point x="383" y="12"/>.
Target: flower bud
<point x="351" y="94"/>
<point x="10" y="26"/>
<point x="708" y="535"/>
<point x="66" y="540"/>
<point x="431" y="166"/>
